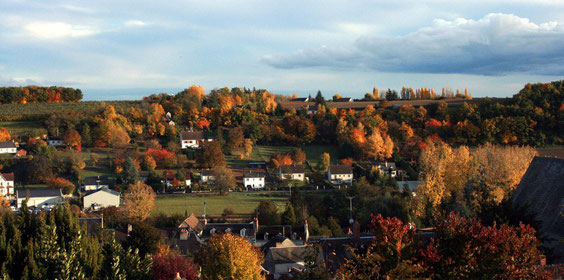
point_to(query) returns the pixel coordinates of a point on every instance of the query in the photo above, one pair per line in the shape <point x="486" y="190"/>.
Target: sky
<point x="129" y="49"/>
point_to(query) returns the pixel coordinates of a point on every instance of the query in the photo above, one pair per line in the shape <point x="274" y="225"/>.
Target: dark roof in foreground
<point x="39" y="192"/>
<point x="341" y="169"/>
<point x="294" y="168"/>
<point x="8" y="176"/>
<point x="541" y="190"/>
<point x="280" y="255"/>
<point x="7" y="144"/>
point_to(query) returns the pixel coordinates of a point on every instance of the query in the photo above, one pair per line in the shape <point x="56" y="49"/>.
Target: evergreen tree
<point x="319" y="99"/>
<point x="289" y="216"/>
<point x="130" y="174"/>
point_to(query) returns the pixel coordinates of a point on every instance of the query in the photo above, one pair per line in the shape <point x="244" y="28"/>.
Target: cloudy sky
<point x="128" y="49"/>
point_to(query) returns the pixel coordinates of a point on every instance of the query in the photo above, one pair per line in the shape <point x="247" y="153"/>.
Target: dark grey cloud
<point x="496" y="44"/>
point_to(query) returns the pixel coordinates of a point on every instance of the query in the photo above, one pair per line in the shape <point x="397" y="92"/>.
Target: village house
<point x="6" y="184"/>
<point x="387" y="169"/>
<point x="206" y="176"/>
<point x="96" y="182"/>
<point x="103" y="197"/>
<point x="312" y="109"/>
<point x="8" y="147"/>
<point x="188" y="181"/>
<point x="254" y="180"/>
<point x="292" y="172"/>
<point x="39" y="197"/>
<point x="55" y="141"/>
<point x="193" y="139"/>
<point x="282" y="260"/>
<point x="340" y="174"/>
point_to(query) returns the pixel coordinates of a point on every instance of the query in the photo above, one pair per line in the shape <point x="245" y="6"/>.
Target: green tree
<point x="130" y="174"/>
<point x="267" y="213"/>
<point x="289" y="216"/>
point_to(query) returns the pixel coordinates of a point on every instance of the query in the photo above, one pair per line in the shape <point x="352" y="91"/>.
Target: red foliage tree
<point x="464" y="249"/>
<point x="166" y="267"/>
<point x="163" y="157"/>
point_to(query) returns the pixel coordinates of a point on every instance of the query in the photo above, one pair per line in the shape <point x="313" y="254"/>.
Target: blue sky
<point x="128" y="49"/>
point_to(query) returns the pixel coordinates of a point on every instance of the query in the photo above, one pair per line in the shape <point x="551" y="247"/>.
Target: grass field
<point x="19" y="128"/>
<point x="241" y="203"/>
<point x="263" y="153"/>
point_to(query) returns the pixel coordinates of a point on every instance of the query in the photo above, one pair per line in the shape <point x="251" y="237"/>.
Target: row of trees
<point x="33" y="94"/>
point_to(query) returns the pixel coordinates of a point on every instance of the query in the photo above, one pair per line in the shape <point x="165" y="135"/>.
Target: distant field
<point x="263" y="153"/>
<point x="34" y="111"/>
<point x="20" y="128"/>
<point x="241" y="203"/>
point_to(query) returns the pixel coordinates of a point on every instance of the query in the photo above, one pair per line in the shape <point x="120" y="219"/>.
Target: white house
<point x="312" y="109"/>
<point x="387" y="168"/>
<point x="206" y="176"/>
<point x="55" y="141"/>
<point x="96" y="182"/>
<point x="188" y="180"/>
<point x="193" y="139"/>
<point x="253" y="180"/>
<point x="8" y="147"/>
<point x="340" y="174"/>
<point x="6" y="184"/>
<point x="103" y="197"/>
<point x="39" y="197"/>
<point x="292" y="172"/>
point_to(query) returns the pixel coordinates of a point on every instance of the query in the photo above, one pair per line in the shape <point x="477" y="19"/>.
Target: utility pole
<point x="350" y="208"/>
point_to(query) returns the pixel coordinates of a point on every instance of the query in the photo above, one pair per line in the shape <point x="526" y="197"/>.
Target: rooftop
<point x="38" y="192"/>
<point x="341" y="169"/>
<point x="7" y="144"/>
<point x="292" y="169"/>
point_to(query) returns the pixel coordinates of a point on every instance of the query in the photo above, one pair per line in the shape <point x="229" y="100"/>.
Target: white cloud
<point x="493" y="45"/>
<point x="55" y="30"/>
<point x="134" y="23"/>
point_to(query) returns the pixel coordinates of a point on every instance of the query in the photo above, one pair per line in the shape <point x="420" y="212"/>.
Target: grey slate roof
<point x="341" y="169"/>
<point x="192" y="135"/>
<point x="102" y="190"/>
<point x="253" y="174"/>
<point x="292" y="169"/>
<point x="96" y="180"/>
<point x="542" y="190"/>
<point x="206" y="172"/>
<point x="7" y="144"/>
<point x="281" y="255"/>
<point x="43" y="192"/>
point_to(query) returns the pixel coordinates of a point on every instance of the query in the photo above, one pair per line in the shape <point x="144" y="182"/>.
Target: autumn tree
<point x="73" y="139"/>
<point x="279" y="159"/>
<point x="224" y="180"/>
<point x="210" y="155"/>
<point x="236" y="138"/>
<point x="324" y="162"/>
<point x="298" y="156"/>
<point x="4" y="135"/>
<point x="165" y="267"/>
<point x="139" y="200"/>
<point x="229" y="256"/>
<point x="378" y="145"/>
<point x="465" y="249"/>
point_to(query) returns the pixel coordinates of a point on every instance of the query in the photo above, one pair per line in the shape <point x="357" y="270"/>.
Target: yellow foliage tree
<point x="230" y="256"/>
<point x="139" y="200"/>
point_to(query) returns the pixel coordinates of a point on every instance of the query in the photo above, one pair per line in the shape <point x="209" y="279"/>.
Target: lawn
<point x="101" y="168"/>
<point x="241" y="203"/>
<point x="20" y="128"/>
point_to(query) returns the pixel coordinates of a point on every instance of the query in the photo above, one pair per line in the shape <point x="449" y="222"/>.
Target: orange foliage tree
<point x="4" y="135"/>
